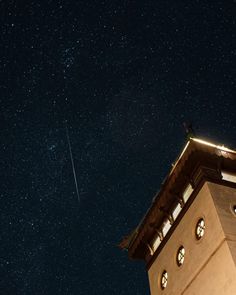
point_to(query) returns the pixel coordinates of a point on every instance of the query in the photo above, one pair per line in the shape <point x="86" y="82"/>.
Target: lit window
<point x="176" y="211"/>
<point x="228" y="176"/>
<point x="156" y="243"/>
<point x="200" y="229"/>
<point x="187" y="193"/>
<point x="166" y="227"/>
<point x="164" y="279"/>
<point x="180" y="256"/>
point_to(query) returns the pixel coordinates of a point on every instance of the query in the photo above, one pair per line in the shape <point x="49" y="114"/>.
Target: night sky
<point x="121" y="77"/>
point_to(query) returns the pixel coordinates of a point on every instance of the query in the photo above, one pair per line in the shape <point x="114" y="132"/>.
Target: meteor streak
<point x="72" y="164"/>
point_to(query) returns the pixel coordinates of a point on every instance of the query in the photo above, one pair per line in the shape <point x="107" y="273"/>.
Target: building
<point x="188" y="236"/>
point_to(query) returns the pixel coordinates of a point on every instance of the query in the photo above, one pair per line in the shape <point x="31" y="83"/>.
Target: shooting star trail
<point x="72" y="164"/>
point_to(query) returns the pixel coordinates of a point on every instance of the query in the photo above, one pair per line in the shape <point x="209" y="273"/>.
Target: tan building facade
<point x="188" y="236"/>
<point x="208" y="266"/>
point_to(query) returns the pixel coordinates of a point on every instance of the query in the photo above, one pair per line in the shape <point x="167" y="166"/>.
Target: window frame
<point x="180" y="256"/>
<point x="164" y="280"/>
<point x="200" y="229"/>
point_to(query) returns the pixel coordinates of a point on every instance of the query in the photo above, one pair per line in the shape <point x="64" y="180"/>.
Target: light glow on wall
<point x="220" y="147"/>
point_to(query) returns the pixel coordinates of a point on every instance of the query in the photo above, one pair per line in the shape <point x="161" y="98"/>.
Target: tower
<point x="188" y="236"/>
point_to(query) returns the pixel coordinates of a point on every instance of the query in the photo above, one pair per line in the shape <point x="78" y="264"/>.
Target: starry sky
<point x="121" y="77"/>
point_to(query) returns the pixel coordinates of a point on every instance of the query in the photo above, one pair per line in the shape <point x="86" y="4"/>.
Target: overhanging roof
<point x="197" y="153"/>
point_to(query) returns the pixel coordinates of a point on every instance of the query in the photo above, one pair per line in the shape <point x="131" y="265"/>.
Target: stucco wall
<point x="225" y="198"/>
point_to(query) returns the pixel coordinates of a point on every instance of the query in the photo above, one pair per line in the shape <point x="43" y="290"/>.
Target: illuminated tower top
<point x="190" y="228"/>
